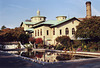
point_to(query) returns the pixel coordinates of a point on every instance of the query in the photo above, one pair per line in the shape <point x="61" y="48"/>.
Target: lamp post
<point x="44" y="41"/>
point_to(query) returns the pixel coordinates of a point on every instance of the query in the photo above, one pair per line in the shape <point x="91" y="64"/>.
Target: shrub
<point x="64" y="40"/>
<point x="31" y="39"/>
<point x="64" y="57"/>
<point x="76" y="43"/>
<point x="59" y="47"/>
<point x="39" y="41"/>
<point x="40" y="46"/>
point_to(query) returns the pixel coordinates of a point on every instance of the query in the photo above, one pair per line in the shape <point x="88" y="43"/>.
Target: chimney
<point x="88" y="9"/>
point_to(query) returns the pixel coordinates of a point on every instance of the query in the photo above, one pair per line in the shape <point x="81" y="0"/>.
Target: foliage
<point x="92" y="45"/>
<point x="19" y="46"/>
<point x="89" y="28"/>
<point x="76" y="43"/>
<point x="64" y="57"/>
<point x="40" y="45"/>
<point x="98" y="45"/>
<point x="23" y="38"/>
<point x="17" y="34"/>
<point x="39" y="41"/>
<point x="59" y="47"/>
<point x="3" y="27"/>
<point x="64" y="40"/>
<point x="79" y="49"/>
<point x="31" y="39"/>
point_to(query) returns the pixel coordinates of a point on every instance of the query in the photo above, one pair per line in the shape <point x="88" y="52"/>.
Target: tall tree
<point x="3" y="27"/>
<point x="89" y="28"/>
<point x="17" y="34"/>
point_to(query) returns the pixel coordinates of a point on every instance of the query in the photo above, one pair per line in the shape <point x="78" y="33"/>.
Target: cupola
<point x="38" y="18"/>
<point x="60" y="18"/>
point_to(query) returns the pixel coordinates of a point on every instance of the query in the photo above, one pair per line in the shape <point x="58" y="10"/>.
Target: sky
<point x="13" y="12"/>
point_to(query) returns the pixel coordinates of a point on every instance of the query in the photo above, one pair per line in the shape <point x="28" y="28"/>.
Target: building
<point x="49" y="30"/>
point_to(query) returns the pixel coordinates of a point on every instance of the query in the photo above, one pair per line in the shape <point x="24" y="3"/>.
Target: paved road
<point x="10" y="61"/>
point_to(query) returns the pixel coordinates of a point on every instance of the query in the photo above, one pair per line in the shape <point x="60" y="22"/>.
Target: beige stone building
<point x="49" y="30"/>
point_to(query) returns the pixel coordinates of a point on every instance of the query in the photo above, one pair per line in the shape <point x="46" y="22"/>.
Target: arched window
<point x="73" y="31"/>
<point x="41" y="32"/>
<point x="53" y="31"/>
<point x="66" y="31"/>
<point x="60" y="32"/>
<point x="38" y="32"/>
<point x="35" y="32"/>
<point x="72" y="22"/>
<point x="28" y="25"/>
<point x="47" y="32"/>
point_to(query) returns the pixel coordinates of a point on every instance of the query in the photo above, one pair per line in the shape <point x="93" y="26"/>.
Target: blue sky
<point x="13" y="12"/>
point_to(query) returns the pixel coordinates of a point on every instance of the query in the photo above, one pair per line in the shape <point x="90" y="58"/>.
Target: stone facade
<point x="51" y="29"/>
<point x="51" y="33"/>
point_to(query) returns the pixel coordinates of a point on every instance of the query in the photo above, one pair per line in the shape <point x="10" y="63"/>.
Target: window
<point x="38" y="32"/>
<point x="66" y="31"/>
<point x="28" y="25"/>
<point x="60" y="32"/>
<point x="41" y="32"/>
<point x="72" y="22"/>
<point x="47" y="32"/>
<point x="53" y="31"/>
<point x="73" y="31"/>
<point x="32" y="25"/>
<point x="35" y="19"/>
<point x="35" y="32"/>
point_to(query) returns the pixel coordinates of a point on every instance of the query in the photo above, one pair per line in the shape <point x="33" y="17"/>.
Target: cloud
<point x="17" y="6"/>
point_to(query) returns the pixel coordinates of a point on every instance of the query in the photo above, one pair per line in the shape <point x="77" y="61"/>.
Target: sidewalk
<point x="10" y="61"/>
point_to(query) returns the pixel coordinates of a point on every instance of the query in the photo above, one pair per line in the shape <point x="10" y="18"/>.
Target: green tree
<point x="3" y="27"/>
<point x="89" y="28"/>
<point x="64" y="40"/>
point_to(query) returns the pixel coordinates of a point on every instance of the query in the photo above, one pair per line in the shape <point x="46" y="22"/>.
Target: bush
<point x="76" y="43"/>
<point x="39" y="41"/>
<point x="31" y="39"/>
<point x="59" y="47"/>
<point x="40" y="46"/>
<point x="63" y="57"/>
<point x="64" y="40"/>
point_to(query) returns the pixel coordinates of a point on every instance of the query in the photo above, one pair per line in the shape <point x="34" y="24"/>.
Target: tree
<point x="64" y="40"/>
<point x="31" y="39"/>
<point x="5" y="35"/>
<point x="17" y="34"/>
<point x="3" y="27"/>
<point x="89" y="28"/>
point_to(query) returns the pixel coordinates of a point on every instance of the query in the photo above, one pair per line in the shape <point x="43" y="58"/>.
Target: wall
<point x="68" y="25"/>
<point x="37" y="19"/>
<point x="50" y="39"/>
